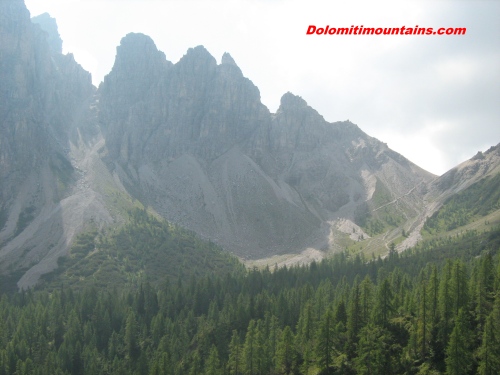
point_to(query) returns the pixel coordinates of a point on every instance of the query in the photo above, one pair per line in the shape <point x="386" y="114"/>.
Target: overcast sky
<point x="434" y="99"/>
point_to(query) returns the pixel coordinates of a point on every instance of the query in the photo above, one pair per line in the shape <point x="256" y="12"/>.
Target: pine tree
<point x="272" y="340"/>
<point x="212" y="365"/>
<point x="305" y="335"/>
<point x="305" y="328"/>
<point x="56" y="327"/>
<point x="261" y="362"/>
<point x="445" y="303"/>
<point x="423" y="321"/>
<point x="383" y="304"/>
<point x="340" y="313"/>
<point x="285" y="352"/>
<point x="161" y="365"/>
<point x="489" y="352"/>
<point x="196" y="367"/>
<point x="166" y="365"/>
<point x="366" y="299"/>
<point x="458" y="353"/>
<point x="142" y="366"/>
<point x="433" y="291"/>
<point x="354" y="319"/>
<point x="459" y="286"/>
<point x="484" y="289"/>
<point x="131" y="338"/>
<point x="324" y="343"/>
<point x="235" y="353"/>
<point x="102" y="323"/>
<point x="373" y="351"/>
<point x="250" y="350"/>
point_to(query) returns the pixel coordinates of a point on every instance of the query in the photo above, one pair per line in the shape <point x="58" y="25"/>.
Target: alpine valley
<point x="172" y="167"/>
<point x="166" y="223"/>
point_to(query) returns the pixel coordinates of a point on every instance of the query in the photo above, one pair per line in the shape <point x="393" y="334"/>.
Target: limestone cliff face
<point x="45" y="108"/>
<point x="24" y="71"/>
<point x="49" y="26"/>
<point x="193" y="141"/>
<point x="41" y="97"/>
<point x="335" y="167"/>
<point x="190" y="140"/>
<point x="179" y="148"/>
<point x="153" y="110"/>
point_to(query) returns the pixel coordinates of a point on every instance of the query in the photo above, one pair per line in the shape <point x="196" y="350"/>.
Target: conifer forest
<point x="434" y="309"/>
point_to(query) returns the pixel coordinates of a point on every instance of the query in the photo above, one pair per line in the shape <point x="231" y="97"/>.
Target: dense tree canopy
<point x="435" y="309"/>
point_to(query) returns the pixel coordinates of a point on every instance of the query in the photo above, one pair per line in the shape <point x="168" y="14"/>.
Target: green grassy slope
<point x="475" y="208"/>
<point x="471" y="204"/>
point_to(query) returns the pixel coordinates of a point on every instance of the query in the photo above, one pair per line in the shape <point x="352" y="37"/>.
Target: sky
<point x="434" y="99"/>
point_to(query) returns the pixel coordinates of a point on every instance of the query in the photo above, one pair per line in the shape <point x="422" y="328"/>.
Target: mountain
<point x="481" y="165"/>
<point x="192" y="144"/>
<point x="193" y="141"/>
<point x="467" y="194"/>
<point x="46" y="110"/>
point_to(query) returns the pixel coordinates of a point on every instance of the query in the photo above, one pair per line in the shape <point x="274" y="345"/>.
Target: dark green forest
<point x="434" y="309"/>
<point x="145" y="249"/>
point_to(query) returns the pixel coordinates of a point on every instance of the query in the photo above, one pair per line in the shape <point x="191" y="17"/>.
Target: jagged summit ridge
<point x="160" y="110"/>
<point x="227" y="59"/>
<point x="49" y="25"/>
<point x="136" y="51"/>
<point x="138" y="65"/>
<point x="256" y="183"/>
<point x="191" y="141"/>
<point x="289" y="100"/>
<point x="198" y="56"/>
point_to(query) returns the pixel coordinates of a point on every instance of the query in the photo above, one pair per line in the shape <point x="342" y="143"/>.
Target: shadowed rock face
<point x="153" y="110"/>
<point x="44" y="102"/>
<point x="42" y="96"/>
<point x="24" y="71"/>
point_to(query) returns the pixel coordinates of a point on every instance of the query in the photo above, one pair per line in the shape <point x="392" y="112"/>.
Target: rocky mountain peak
<point x="227" y="59"/>
<point x="14" y="14"/>
<point x="132" y="43"/>
<point x="294" y="113"/>
<point x="197" y="60"/>
<point x="191" y="140"/>
<point x="289" y="100"/>
<point x="139" y="66"/>
<point x="49" y="25"/>
<point x="229" y="68"/>
<point x="294" y="105"/>
<point x="138" y="54"/>
<point x="470" y="171"/>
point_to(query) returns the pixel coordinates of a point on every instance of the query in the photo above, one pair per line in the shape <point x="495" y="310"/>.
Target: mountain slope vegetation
<point x="473" y="203"/>
<point x="145" y="249"/>
<point x="433" y="310"/>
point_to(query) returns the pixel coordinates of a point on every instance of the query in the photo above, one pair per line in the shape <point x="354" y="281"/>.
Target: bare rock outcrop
<point x="193" y="141"/>
<point x="45" y="110"/>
